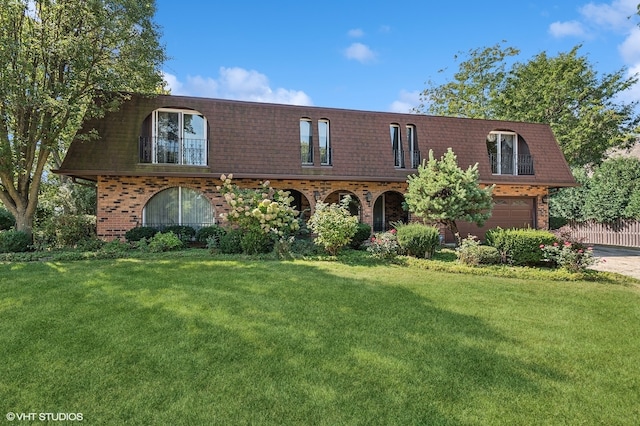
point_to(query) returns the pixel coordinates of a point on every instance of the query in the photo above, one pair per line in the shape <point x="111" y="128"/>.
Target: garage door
<point x="508" y="212"/>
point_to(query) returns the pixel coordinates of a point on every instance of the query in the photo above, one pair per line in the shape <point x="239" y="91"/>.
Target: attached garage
<point x="508" y="212"/>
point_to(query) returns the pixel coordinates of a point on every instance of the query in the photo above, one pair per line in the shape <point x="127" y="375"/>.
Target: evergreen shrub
<point x="140" y="232"/>
<point x="418" y="240"/>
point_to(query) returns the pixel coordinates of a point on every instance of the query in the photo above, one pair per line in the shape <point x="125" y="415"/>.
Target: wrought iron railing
<point x="166" y="151"/>
<point x="398" y="158"/>
<point x="415" y="159"/>
<point x="524" y="165"/>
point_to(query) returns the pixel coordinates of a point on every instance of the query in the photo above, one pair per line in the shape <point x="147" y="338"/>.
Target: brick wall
<point x="121" y="199"/>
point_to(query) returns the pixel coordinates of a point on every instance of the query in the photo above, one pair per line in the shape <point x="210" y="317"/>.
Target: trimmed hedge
<point x="418" y="240"/>
<point x="520" y="246"/>
<point x="186" y="233"/>
<point x="136" y="234"/>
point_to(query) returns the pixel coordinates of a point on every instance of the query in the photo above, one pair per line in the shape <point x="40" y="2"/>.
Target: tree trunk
<point x="24" y="221"/>
<point x="453" y="227"/>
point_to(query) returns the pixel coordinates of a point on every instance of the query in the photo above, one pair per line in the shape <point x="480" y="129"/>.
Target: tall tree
<point x="582" y="108"/>
<point x="474" y="86"/>
<point x="61" y="62"/>
<point x="443" y="193"/>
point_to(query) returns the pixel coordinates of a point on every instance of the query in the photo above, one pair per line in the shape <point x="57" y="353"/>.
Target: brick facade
<point x="121" y="199"/>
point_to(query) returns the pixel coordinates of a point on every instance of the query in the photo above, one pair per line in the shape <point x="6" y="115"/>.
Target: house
<point x="158" y="160"/>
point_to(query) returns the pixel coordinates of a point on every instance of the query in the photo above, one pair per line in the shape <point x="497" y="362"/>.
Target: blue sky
<point x="373" y="55"/>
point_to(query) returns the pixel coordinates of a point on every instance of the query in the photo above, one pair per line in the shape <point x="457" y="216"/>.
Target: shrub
<point x="230" y="242"/>
<point x="184" y="232"/>
<point x="204" y="233"/>
<point x="114" y="249"/>
<point x="136" y="234"/>
<point x="333" y="225"/>
<point x="520" y="246"/>
<point x="574" y="257"/>
<point x="471" y="253"/>
<point x="67" y="230"/>
<point x="256" y="242"/>
<point x="165" y="241"/>
<point x="262" y="209"/>
<point x="13" y="241"/>
<point x="283" y="248"/>
<point x="418" y="240"/>
<point x="384" y="245"/>
<point x="304" y="247"/>
<point x="363" y="232"/>
<point x="7" y="221"/>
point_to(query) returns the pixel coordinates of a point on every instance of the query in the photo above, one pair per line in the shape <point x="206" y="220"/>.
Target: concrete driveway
<point x="623" y="260"/>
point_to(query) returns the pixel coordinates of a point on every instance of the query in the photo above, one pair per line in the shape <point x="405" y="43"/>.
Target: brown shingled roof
<point x="263" y="140"/>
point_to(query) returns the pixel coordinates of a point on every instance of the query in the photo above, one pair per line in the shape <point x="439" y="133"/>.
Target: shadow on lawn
<point x="286" y="342"/>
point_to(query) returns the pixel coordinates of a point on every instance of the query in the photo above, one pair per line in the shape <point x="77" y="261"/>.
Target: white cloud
<point x="236" y="83"/>
<point x="405" y="102"/>
<point x="356" y="33"/>
<point x="613" y="16"/>
<point x="630" y="47"/>
<point x="566" y="29"/>
<point x="360" y="52"/>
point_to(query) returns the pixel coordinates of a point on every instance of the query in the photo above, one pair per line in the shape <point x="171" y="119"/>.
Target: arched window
<point x="174" y="136"/>
<point x="178" y="206"/>
<point x="509" y="154"/>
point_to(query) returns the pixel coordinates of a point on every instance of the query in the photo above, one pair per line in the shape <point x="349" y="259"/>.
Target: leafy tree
<point x="333" y="225"/>
<point x="611" y="189"/>
<point x="565" y="92"/>
<point x="568" y="203"/>
<point x="475" y="85"/>
<point x="61" y="62"/>
<point x="443" y="193"/>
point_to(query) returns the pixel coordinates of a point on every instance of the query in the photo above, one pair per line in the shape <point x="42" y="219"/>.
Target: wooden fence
<point x="624" y="233"/>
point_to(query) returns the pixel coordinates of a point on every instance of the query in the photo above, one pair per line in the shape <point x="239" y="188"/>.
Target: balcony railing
<point x="164" y="151"/>
<point x="415" y="159"/>
<point x="398" y="158"/>
<point x="524" y="165"/>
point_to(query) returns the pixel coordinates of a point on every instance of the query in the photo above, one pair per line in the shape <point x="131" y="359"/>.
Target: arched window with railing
<point x="509" y="154"/>
<point x="174" y="136"/>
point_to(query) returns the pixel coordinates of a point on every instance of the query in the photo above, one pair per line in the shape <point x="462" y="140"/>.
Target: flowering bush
<point x="574" y="257"/>
<point x="262" y="210"/>
<point x="384" y="245"/>
<point x="471" y="253"/>
<point x="333" y="225"/>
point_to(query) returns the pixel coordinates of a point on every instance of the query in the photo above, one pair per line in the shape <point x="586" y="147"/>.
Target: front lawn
<point x="202" y="340"/>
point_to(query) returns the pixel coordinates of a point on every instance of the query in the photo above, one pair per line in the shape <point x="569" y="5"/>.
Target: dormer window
<point x="173" y="136"/>
<point x="509" y="154"/>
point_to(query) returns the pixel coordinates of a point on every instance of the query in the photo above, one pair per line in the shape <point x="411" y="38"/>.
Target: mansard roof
<point x="261" y="140"/>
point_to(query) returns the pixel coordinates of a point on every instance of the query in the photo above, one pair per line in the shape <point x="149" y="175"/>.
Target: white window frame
<point x="309" y="141"/>
<point x="180" y="112"/>
<point x="327" y="143"/>
<point x="498" y="135"/>
<point x="398" y="160"/>
<point x="411" y="140"/>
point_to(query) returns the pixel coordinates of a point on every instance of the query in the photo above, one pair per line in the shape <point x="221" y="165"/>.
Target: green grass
<point x="202" y="340"/>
